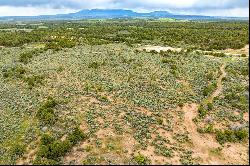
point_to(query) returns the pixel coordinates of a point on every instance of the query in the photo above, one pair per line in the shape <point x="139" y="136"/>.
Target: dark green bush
<point x="209" y="106"/>
<point x="210" y="76"/>
<point x="20" y="73"/>
<point x="58" y="149"/>
<point x="17" y="150"/>
<point x="34" y="80"/>
<point x="173" y="67"/>
<point x="14" y="72"/>
<point x="231" y="135"/>
<point x="153" y="52"/>
<point x="168" y="61"/>
<point x="241" y="134"/>
<point x="46" y="139"/>
<point x="43" y="151"/>
<point x="202" y="111"/>
<point x="218" y="54"/>
<point x="46" y="113"/>
<point x="50" y="103"/>
<point x="94" y="65"/>
<point x="76" y="136"/>
<point x="53" y="149"/>
<point x="25" y="57"/>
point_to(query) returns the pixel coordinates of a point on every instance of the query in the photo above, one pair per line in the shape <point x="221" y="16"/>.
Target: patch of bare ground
<point x="144" y="111"/>
<point x="236" y="153"/>
<point x="115" y="149"/>
<point x="149" y="48"/>
<point x="244" y="50"/>
<point x="159" y="159"/>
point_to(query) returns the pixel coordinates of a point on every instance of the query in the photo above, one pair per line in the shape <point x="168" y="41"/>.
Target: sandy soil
<point x="244" y="50"/>
<point x="159" y="48"/>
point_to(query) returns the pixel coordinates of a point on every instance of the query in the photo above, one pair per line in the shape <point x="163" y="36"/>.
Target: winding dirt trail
<point x="203" y="143"/>
<point x="219" y="85"/>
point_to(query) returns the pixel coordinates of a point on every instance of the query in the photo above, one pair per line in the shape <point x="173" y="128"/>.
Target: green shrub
<point x="186" y="158"/>
<point x="231" y="136"/>
<point x="25" y="57"/>
<point x="103" y="98"/>
<point x="58" y="149"/>
<point x="17" y="150"/>
<point x="209" y="106"/>
<point x="244" y="71"/>
<point x="94" y="65"/>
<point x="46" y="113"/>
<point x="210" y="76"/>
<point x="34" y="80"/>
<point x="46" y="139"/>
<point x="14" y="72"/>
<point x="50" y="103"/>
<point x="159" y="120"/>
<point x="202" y="111"/>
<point x="173" y="67"/>
<point x="43" y="151"/>
<point x="76" y="136"/>
<point x="141" y="160"/>
<point x="54" y="150"/>
<point x="153" y="52"/>
<point x="218" y="54"/>
<point x="241" y="134"/>
<point x="207" y="129"/>
<point x="164" y="60"/>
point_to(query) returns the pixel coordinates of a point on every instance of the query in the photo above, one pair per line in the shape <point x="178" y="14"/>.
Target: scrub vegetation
<point x="91" y="92"/>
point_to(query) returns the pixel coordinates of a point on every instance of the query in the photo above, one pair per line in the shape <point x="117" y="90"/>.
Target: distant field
<point x="124" y="92"/>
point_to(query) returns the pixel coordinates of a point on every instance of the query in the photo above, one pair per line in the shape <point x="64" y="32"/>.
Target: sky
<point x="236" y="8"/>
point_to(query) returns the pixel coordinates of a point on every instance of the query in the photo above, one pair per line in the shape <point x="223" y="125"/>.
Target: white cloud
<point x="235" y="12"/>
<point x="31" y="11"/>
<point x="207" y="7"/>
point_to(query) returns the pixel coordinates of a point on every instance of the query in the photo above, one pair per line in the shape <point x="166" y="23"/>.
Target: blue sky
<point x="203" y="7"/>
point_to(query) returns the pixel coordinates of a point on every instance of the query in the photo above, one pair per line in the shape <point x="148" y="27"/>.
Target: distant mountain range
<point x="115" y="14"/>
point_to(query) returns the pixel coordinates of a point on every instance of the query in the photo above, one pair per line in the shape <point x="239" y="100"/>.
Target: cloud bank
<point x="205" y="7"/>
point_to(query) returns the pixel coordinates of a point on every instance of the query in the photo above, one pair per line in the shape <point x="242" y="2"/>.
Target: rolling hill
<point x="115" y="14"/>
